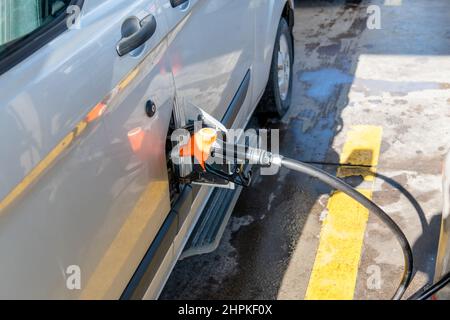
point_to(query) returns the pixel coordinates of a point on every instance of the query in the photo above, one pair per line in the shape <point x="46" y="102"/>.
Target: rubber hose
<point x="340" y="185"/>
<point x="428" y="292"/>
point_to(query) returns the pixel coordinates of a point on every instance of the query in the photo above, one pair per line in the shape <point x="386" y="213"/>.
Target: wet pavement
<point x="396" y="78"/>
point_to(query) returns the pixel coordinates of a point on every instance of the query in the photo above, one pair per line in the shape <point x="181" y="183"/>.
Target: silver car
<point x="91" y="206"/>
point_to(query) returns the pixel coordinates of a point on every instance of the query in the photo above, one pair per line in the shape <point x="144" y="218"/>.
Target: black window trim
<point x="25" y="46"/>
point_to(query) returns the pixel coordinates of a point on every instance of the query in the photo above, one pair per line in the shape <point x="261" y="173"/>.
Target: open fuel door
<point x="219" y="170"/>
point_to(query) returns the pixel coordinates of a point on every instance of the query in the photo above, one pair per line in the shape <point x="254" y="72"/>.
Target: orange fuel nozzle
<point x="199" y="145"/>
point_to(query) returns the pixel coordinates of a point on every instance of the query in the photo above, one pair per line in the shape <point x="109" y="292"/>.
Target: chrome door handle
<point x="135" y="33"/>
<point x="177" y="3"/>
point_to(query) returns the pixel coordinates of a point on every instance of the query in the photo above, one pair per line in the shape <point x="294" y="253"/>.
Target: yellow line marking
<point x="335" y="269"/>
<point x="336" y="265"/>
<point x="361" y="148"/>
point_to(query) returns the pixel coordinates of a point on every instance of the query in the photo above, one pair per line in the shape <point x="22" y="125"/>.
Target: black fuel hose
<point x="434" y="288"/>
<point x="340" y="185"/>
<point x="264" y="158"/>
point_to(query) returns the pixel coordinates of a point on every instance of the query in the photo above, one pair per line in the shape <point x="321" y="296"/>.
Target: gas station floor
<point x="378" y="98"/>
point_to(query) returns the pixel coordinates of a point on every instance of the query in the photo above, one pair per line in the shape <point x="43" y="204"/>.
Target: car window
<point x="19" y="18"/>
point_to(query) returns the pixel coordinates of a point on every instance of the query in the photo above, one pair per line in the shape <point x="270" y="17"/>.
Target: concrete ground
<point x="396" y="78"/>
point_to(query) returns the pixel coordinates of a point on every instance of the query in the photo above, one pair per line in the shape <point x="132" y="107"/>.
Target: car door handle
<point x="177" y="3"/>
<point x="135" y="33"/>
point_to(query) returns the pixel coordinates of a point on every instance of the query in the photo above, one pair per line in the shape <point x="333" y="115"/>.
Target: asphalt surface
<point x="396" y="78"/>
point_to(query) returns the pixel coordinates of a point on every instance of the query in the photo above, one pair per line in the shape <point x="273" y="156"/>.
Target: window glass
<point x="19" y="18"/>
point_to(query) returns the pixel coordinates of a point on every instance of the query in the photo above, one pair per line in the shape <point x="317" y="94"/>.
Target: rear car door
<point x="85" y="102"/>
<point x="211" y="47"/>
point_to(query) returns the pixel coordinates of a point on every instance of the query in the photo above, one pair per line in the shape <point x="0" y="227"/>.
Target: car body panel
<point x="85" y="177"/>
<point x="266" y="10"/>
<point x="102" y="191"/>
<point x="210" y="49"/>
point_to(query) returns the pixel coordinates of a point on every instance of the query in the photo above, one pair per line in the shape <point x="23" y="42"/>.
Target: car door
<point x="211" y="47"/>
<point x="85" y="102"/>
